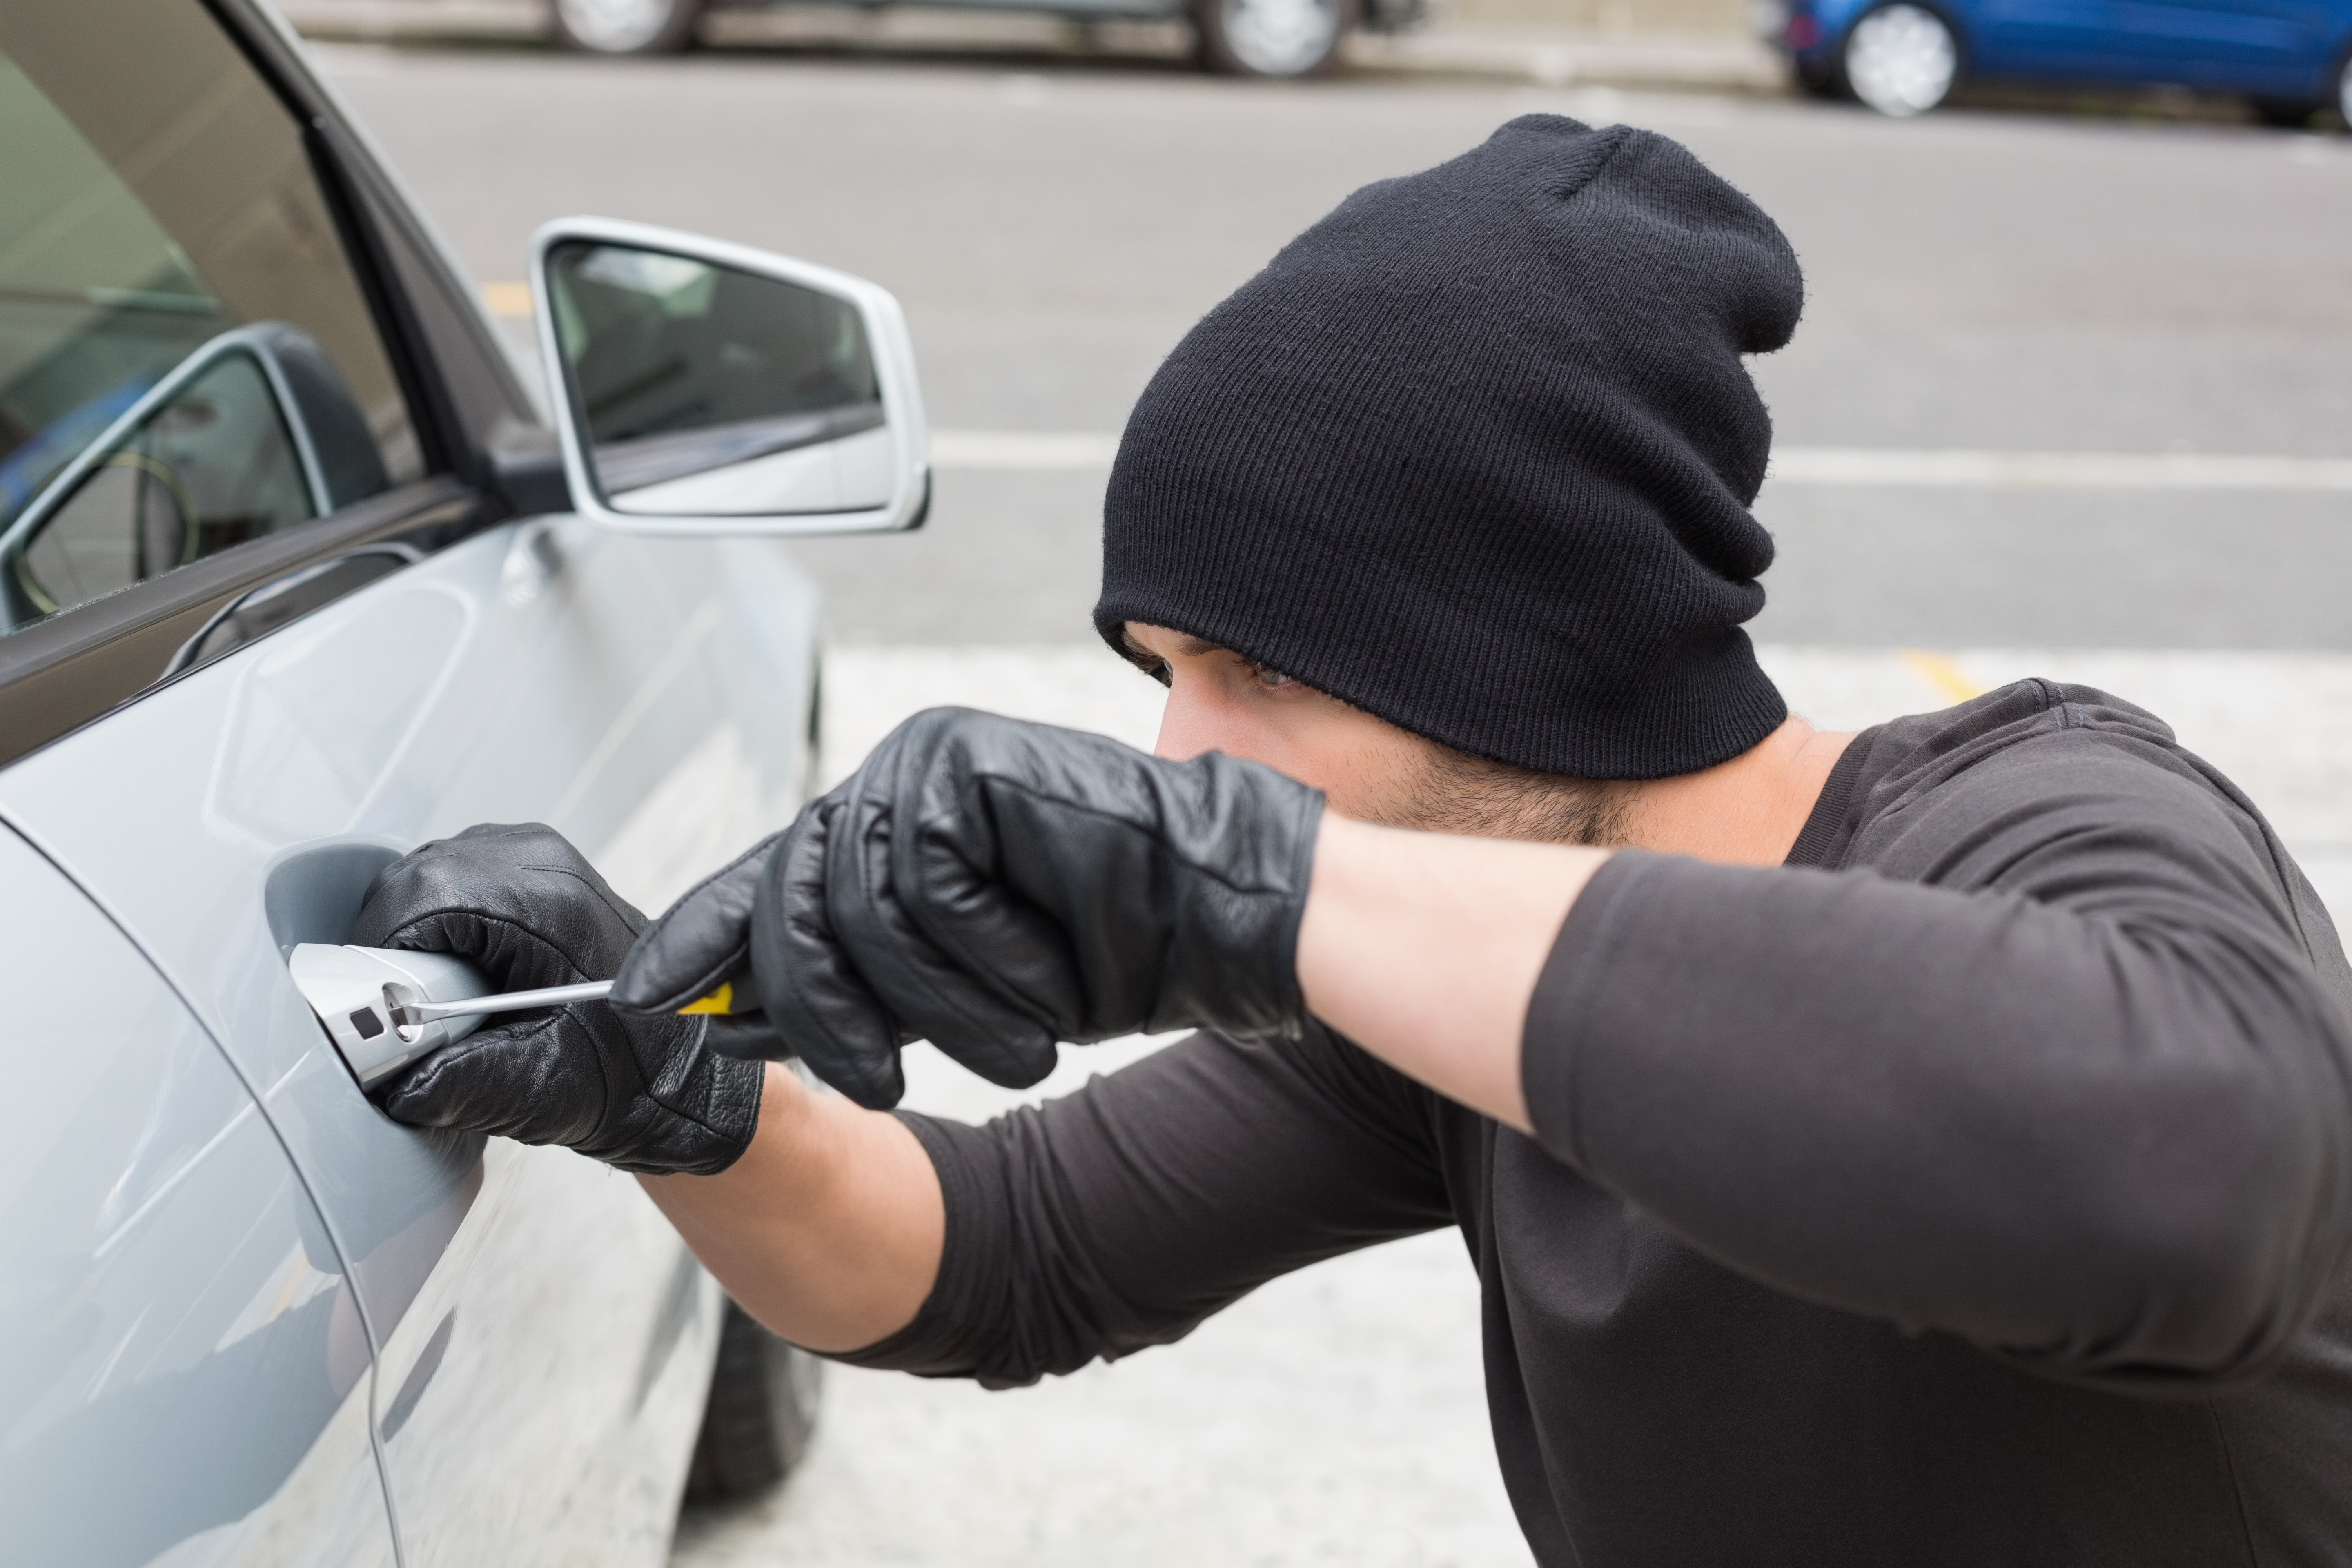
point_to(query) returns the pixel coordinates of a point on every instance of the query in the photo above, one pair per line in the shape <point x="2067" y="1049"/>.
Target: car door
<point x="281" y="598"/>
<point x="2058" y="39"/>
<point x="184" y="1373"/>
<point x="2268" y="47"/>
<point x="2276" y="46"/>
<point x="543" y="1336"/>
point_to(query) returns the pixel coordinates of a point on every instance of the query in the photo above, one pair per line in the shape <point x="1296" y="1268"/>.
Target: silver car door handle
<point x="289" y="587"/>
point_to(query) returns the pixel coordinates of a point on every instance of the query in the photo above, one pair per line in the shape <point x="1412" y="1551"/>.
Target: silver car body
<point x="244" y="1317"/>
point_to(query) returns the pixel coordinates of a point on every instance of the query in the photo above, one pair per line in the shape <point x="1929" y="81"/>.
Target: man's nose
<point x="1186" y="723"/>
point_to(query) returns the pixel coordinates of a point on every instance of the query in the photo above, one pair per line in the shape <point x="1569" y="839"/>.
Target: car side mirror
<point x="252" y="432"/>
<point x="704" y="388"/>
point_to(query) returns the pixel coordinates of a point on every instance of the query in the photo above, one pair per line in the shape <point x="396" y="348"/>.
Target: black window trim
<point x="60" y="674"/>
<point x="360" y="194"/>
<point x="431" y="411"/>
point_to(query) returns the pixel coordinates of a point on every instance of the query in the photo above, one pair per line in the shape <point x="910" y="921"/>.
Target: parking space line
<point x="1962" y="469"/>
<point x="1021" y="449"/>
<point x="507" y="296"/>
<point x="1938" y="671"/>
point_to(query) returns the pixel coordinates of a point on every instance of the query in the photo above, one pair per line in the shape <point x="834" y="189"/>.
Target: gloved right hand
<point x="997" y="887"/>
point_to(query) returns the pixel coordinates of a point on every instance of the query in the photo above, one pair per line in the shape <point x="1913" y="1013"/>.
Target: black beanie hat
<point x="1475" y="454"/>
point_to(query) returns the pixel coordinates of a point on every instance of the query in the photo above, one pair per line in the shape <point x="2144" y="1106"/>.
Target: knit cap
<point x="1475" y="455"/>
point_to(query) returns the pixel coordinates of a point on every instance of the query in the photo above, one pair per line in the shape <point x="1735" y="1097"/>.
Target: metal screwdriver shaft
<point x="410" y="1013"/>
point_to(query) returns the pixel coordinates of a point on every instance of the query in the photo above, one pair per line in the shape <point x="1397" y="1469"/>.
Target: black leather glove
<point x="996" y="886"/>
<point x="644" y="1094"/>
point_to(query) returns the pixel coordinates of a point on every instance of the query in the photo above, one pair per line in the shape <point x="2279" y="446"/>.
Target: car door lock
<point x="385" y="1009"/>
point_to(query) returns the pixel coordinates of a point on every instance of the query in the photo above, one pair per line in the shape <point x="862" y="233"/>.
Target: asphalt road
<point x="1977" y="280"/>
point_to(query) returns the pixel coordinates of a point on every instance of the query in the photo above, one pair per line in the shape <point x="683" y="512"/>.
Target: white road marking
<point x="1846" y="467"/>
<point x="1965" y="469"/>
<point x="1021" y="449"/>
<point x="869" y="689"/>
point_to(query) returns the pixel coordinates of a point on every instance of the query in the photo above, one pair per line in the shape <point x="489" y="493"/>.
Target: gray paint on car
<point x="435" y="698"/>
<point x="181" y="1367"/>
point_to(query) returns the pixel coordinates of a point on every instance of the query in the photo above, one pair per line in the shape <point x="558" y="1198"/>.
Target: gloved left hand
<point x="644" y="1094"/>
<point x="996" y="886"/>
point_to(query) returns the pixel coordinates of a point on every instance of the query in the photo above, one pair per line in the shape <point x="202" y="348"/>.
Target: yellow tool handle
<point x="721" y="1000"/>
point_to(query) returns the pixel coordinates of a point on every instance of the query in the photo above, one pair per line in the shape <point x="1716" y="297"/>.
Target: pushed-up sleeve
<point x="2068" y="1076"/>
<point x="1122" y="1216"/>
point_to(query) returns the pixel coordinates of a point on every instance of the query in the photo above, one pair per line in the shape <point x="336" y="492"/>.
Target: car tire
<point x="1819" y="80"/>
<point x="1271" y="37"/>
<point x="627" y="26"/>
<point x="1901" y="59"/>
<point x="2286" y="113"/>
<point x="2296" y="113"/>
<point x="763" y="1411"/>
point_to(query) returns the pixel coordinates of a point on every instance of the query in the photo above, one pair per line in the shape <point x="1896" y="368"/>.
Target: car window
<point x="186" y="359"/>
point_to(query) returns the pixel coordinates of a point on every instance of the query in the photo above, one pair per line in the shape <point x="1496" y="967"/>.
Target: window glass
<point x="186" y="361"/>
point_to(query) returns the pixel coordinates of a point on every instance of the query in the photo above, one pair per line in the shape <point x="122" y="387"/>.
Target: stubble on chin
<point x="1451" y="792"/>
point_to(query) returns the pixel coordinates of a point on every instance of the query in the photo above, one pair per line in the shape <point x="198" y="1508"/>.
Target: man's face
<point x="1220" y="701"/>
<point x="1366" y="767"/>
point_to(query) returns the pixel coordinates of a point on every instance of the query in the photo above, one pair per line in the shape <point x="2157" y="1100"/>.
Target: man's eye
<point x="1272" y="679"/>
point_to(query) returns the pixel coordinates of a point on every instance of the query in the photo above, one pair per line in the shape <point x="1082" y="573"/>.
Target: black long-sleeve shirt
<point x="1975" y="1192"/>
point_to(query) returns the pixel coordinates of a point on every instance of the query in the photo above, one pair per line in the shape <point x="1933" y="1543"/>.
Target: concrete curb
<point x="1549" y="57"/>
<point x="380" y="21"/>
<point x="1560" y="56"/>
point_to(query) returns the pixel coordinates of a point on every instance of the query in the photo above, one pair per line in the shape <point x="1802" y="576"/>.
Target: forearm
<point x="2107" y="1143"/>
<point x="2109" y="1146"/>
<point x="828" y="1229"/>
<point x="1423" y="949"/>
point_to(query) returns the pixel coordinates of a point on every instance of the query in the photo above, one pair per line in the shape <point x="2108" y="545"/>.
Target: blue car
<point x="2292" y="58"/>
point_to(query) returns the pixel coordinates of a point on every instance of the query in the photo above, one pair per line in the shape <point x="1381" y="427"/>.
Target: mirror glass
<point x="708" y="391"/>
<point x="212" y="464"/>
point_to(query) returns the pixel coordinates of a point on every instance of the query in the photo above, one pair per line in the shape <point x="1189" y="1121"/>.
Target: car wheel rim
<point x="615" y="26"/>
<point x="1280" y="38"/>
<point x="1901" y="60"/>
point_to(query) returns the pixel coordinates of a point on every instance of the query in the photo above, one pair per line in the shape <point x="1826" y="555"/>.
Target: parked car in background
<point x="2292" y="58"/>
<point x="1240" y="38"/>
<point x="293" y="577"/>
